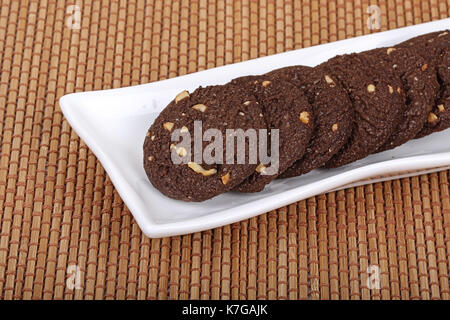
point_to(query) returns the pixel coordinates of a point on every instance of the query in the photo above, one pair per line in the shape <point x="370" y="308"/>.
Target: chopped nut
<point x="148" y="134"/>
<point x="241" y="113"/>
<point x="181" y="151"/>
<point x="441" y="108"/>
<point x="334" y="127"/>
<point x="225" y="178"/>
<point x="399" y="90"/>
<point x="330" y="81"/>
<point x="152" y="138"/>
<point x="370" y="88"/>
<point x="389" y="50"/>
<point x="424" y="67"/>
<point x="199" y="107"/>
<point x="199" y="169"/>
<point x="246" y="103"/>
<point x="151" y="158"/>
<point x="432" y="117"/>
<point x="184" y="129"/>
<point x="168" y="126"/>
<point x="265" y="83"/>
<point x="304" y="117"/>
<point x="443" y="34"/>
<point x="261" y="115"/>
<point x="182" y="95"/>
<point x="391" y="90"/>
<point x="260" y="168"/>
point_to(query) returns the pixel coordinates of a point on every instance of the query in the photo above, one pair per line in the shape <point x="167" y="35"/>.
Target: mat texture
<point x="65" y="232"/>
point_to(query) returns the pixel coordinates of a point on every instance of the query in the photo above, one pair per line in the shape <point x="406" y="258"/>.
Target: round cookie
<point x="333" y="115"/>
<point x="378" y="103"/>
<point x="217" y="107"/>
<point x="441" y="112"/>
<point x="285" y="108"/>
<point x="439" y="117"/>
<point x="421" y="87"/>
<point x="434" y="48"/>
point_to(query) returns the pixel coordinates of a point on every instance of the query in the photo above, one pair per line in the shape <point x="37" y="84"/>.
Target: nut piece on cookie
<point x="200" y="107"/>
<point x="225" y="178"/>
<point x="432" y="117"/>
<point x="199" y="169"/>
<point x="182" y="95"/>
<point x="260" y="168"/>
<point x="304" y="117"/>
<point x="334" y="127"/>
<point x="330" y="81"/>
<point x="370" y="88"/>
<point x="389" y="50"/>
<point x="182" y="152"/>
<point x="168" y="126"/>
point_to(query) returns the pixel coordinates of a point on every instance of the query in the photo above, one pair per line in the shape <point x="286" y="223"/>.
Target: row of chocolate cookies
<point x="328" y="116"/>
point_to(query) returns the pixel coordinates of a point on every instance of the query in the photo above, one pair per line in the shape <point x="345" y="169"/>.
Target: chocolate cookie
<point x="434" y="48"/>
<point x="421" y="87"/>
<point x="378" y="103"/>
<point x="198" y="178"/>
<point x="285" y="108"/>
<point x="333" y="115"/>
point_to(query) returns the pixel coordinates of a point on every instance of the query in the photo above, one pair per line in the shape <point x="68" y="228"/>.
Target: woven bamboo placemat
<point x="65" y="232"/>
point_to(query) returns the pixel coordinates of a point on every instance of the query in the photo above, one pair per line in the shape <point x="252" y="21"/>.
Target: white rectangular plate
<point x="113" y="123"/>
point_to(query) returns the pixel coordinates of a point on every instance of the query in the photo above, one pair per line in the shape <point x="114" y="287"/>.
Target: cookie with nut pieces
<point x="333" y="115"/>
<point x="217" y="107"/>
<point x="286" y="108"/>
<point x="435" y="49"/>
<point x="377" y="108"/>
<point x="421" y="88"/>
<point x="338" y="112"/>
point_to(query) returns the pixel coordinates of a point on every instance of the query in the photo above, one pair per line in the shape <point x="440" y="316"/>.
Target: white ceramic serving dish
<point x="113" y="123"/>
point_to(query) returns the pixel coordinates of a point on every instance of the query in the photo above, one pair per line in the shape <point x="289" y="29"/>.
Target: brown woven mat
<point x="66" y="234"/>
